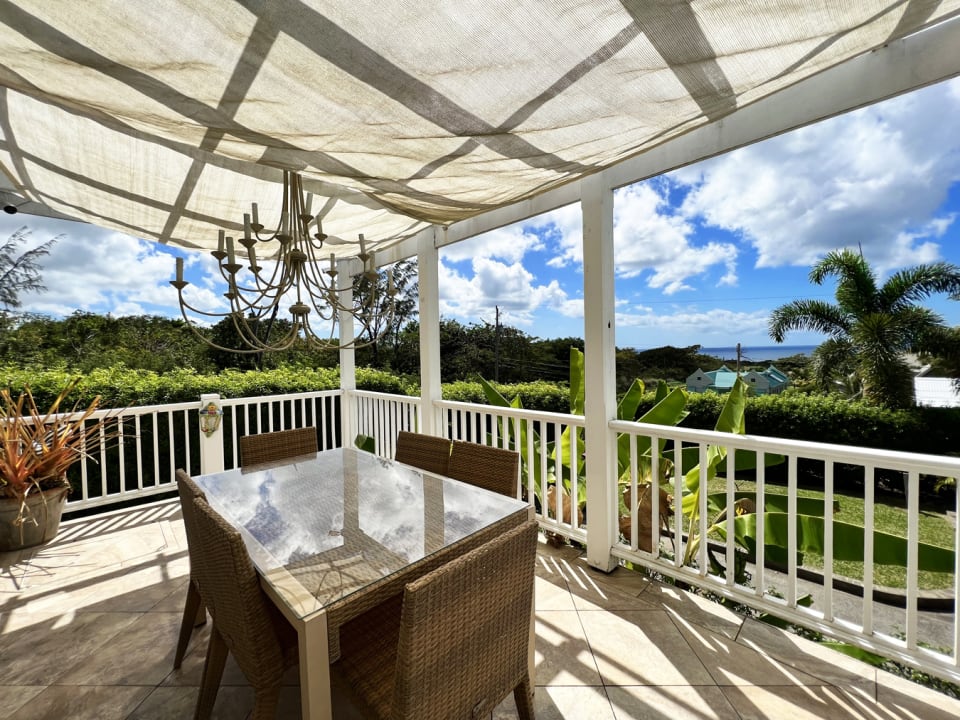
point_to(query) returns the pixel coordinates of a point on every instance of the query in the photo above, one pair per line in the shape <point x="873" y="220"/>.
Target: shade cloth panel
<point x="165" y="120"/>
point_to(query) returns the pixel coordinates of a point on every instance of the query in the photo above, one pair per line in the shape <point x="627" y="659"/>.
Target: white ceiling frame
<point x="904" y="65"/>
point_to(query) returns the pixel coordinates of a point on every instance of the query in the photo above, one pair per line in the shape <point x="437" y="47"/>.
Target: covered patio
<point x="89" y="626"/>
<point x="421" y="125"/>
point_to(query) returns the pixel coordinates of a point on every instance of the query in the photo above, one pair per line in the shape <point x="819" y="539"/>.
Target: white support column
<point x="600" y="369"/>
<point x="428" y="277"/>
<point x="348" y="363"/>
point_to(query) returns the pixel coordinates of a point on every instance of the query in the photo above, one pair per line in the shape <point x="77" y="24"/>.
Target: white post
<point x="211" y="434"/>
<point x="348" y="363"/>
<point x="600" y="390"/>
<point x="428" y="276"/>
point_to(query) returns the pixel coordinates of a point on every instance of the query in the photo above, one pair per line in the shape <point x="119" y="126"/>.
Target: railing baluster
<point x="731" y="515"/>
<point x="792" y="532"/>
<point x="868" y="550"/>
<point x="702" y="519"/>
<point x="913" y="555"/>
<point x="655" y="495"/>
<point x="828" y="541"/>
<point x="634" y="507"/>
<point x="759" y="570"/>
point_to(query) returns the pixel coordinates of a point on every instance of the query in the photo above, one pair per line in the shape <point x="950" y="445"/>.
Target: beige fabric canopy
<point x="166" y="119"/>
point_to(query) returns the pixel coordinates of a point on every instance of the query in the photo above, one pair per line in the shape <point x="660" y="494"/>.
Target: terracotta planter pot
<point x="45" y="507"/>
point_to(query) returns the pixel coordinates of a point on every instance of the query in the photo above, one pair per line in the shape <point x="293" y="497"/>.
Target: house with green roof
<point x="721" y="380"/>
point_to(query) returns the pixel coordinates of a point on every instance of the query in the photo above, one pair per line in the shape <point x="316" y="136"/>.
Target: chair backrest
<point x="484" y="466"/>
<point x="280" y="445"/>
<point x="188" y="491"/>
<point x="427" y="452"/>
<point x="230" y="589"/>
<point x="465" y="630"/>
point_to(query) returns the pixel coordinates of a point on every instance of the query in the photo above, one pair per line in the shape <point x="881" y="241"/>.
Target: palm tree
<point x="871" y="327"/>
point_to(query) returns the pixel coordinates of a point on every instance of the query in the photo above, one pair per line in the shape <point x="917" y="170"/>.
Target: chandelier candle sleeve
<point x="231" y="256"/>
<point x="179" y="269"/>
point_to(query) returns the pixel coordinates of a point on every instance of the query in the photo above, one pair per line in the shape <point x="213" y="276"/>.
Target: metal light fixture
<point x="297" y="272"/>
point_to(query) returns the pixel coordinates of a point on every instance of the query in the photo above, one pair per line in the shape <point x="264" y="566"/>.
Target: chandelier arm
<point x="297" y="271"/>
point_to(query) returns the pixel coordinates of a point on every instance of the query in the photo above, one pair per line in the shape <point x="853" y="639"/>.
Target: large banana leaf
<point x="848" y="541"/>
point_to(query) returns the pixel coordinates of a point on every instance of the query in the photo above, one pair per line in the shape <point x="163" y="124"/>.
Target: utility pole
<point x="738" y="359"/>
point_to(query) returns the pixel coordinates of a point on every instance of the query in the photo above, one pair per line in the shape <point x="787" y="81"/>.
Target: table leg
<point x="315" y="697"/>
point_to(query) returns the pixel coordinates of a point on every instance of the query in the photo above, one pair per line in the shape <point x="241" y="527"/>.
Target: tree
<point x="388" y="315"/>
<point x="20" y="271"/>
<point x="871" y="326"/>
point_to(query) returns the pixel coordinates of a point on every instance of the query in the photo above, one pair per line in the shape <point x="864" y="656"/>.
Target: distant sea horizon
<point x="758" y="353"/>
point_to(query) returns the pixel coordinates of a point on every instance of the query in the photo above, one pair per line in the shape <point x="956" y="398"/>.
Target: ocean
<point x="758" y="353"/>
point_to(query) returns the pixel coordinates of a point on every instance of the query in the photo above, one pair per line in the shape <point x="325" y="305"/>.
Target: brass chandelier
<point x="256" y="297"/>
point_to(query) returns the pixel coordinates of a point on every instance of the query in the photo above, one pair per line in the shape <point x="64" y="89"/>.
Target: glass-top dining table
<point x="336" y="533"/>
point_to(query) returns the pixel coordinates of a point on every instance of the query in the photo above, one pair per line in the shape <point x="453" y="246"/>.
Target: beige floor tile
<point x="134" y="589"/>
<point x="818" y="660"/>
<point x="233" y="703"/>
<point x="100" y="702"/>
<point x="552" y="594"/>
<point x="730" y="663"/>
<point x="555" y="568"/>
<point x="40" y="655"/>
<point x="821" y="702"/>
<point x="151" y="639"/>
<point x="621" y="578"/>
<point x="693" y="609"/>
<point x="562" y="703"/>
<point x="562" y="654"/>
<point x="905" y="699"/>
<point x="191" y="671"/>
<point x="175" y="598"/>
<point x="591" y="591"/>
<point x="670" y="702"/>
<point x="641" y="648"/>
<point x="13" y="697"/>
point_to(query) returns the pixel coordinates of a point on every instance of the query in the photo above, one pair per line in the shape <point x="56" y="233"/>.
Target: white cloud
<point x="507" y="243"/>
<point x="650" y="240"/>
<point x="495" y="284"/>
<point x="644" y="327"/>
<point x="875" y="177"/>
<point x="95" y="270"/>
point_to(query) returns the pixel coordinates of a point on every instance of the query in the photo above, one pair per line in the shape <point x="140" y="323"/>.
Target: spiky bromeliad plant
<point x="37" y="448"/>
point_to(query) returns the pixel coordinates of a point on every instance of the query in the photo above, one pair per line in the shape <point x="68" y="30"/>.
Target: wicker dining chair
<point x="279" y="445"/>
<point x="484" y="466"/>
<point x="462" y="641"/>
<point x="245" y="621"/>
<point x="427" y="452"/>
<point x="194" y="612"/>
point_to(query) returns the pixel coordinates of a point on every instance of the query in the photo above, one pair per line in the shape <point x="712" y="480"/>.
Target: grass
<point x="889" y="515"/>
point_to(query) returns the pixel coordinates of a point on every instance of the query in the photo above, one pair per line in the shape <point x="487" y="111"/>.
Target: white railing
<point x="781" y="592"/>
<point x="155" y="440"/>
<point x="538" y="437"/>
<point x="382" y="416"/>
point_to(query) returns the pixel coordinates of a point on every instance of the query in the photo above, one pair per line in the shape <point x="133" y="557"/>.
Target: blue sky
<point x="703" y="254"/>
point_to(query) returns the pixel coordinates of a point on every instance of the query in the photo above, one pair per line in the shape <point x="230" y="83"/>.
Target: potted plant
<point x="36" y="450"/>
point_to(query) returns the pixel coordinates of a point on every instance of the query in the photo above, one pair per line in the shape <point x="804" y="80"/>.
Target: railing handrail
<point x="518" y="413"/>
<point x="890" y="459"/>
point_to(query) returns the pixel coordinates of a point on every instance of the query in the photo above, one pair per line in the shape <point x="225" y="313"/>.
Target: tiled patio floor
<point x="89" y="625"/>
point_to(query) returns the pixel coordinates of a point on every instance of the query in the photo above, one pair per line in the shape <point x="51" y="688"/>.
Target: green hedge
<point x="802" y="417"/>
<point x="544" y="396"/>
<point x="120" y="387"/>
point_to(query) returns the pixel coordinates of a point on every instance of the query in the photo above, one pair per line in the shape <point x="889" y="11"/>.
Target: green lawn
<point x="889" y="516"/>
